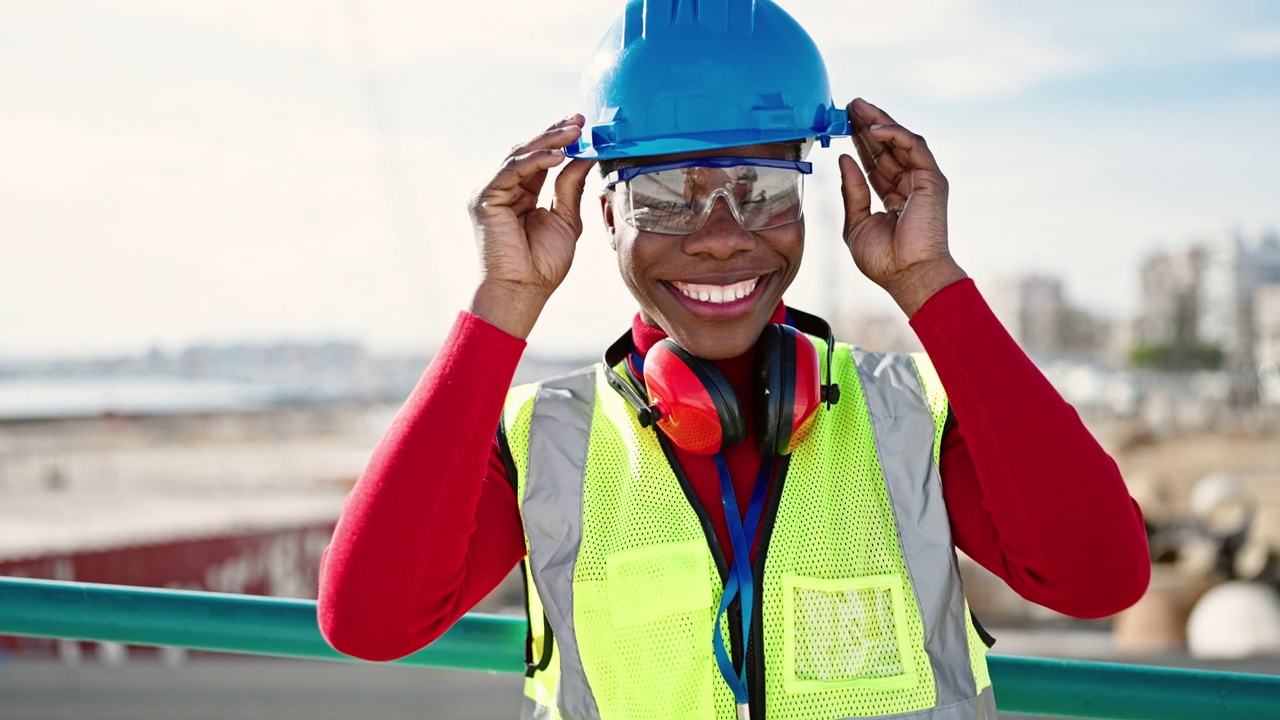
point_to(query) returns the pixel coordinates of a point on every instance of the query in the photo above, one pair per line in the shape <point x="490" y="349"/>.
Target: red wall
<point x="282" y="563"/>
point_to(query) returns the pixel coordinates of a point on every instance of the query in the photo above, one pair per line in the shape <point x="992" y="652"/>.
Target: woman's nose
<point x="720" y="235"/>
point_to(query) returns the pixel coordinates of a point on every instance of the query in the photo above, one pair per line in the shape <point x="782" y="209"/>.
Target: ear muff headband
<point x="773" y="387"/>
<point x="645" y="413"/>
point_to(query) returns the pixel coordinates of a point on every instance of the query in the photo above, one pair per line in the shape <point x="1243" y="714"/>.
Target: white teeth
<point x="717" y="294"/>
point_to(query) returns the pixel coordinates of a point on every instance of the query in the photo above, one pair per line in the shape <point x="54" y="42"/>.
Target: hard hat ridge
<point x="681" y="75"/>
<point x="710" y="15"/>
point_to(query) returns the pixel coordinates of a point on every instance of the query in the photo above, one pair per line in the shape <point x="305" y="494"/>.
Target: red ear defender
<point x="696" y="405"/>
<point x="787" y="387"/>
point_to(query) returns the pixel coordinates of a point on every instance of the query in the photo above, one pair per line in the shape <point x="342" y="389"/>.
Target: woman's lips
<point x="716" y="294"/>
<point x="706" y="298"/>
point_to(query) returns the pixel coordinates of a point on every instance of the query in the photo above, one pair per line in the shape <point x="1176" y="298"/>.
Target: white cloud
<point x="155" y="191"/>
<point x="954" y="50"/>
<point x="980" y="71"/>
<point x="397" y="33"/>
<point x="1259" y="45"/>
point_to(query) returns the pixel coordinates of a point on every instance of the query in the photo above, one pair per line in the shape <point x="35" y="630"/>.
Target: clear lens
<point x="679" y="200"/>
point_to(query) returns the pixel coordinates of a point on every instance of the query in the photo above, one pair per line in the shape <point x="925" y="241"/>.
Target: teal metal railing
<point x="275" y="626"/>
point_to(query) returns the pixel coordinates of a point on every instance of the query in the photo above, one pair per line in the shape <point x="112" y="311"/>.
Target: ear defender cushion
<point x="700" y="411"/>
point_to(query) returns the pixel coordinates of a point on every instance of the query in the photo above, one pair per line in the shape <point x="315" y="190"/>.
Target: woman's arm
<point x="1032" y="495"/>
<point x="432" y="525"/>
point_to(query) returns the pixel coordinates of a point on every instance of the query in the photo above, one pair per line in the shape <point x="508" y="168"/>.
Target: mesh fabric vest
<point x="861" y="612"/>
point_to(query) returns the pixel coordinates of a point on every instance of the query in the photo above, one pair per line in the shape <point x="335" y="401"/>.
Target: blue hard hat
<point x="682" y="75"/>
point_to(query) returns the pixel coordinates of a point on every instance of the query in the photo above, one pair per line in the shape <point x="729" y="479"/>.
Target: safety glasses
<point x="676" y="198"/>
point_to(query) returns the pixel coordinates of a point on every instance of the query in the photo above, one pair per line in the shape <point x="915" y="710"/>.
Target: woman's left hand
<point x="903" y="249"/>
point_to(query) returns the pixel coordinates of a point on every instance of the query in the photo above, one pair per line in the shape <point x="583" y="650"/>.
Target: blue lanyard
<point x="741" y="580"/>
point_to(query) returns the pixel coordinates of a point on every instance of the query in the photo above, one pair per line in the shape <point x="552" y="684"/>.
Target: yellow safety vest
<point x="862" y="613"/>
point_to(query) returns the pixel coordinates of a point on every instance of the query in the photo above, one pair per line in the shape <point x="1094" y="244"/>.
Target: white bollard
<point x="1235" y="620"/>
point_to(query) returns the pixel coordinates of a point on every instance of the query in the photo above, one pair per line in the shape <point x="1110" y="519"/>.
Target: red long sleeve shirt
<point x="432" y="526"/>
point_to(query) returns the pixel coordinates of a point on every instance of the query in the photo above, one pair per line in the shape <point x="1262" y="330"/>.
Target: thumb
<point x="570" y="183"/>
<point x="856" y="194"/>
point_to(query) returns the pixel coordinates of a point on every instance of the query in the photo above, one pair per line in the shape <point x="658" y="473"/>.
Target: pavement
<point x="219" y="687"/>
<point x="251" y="688"/>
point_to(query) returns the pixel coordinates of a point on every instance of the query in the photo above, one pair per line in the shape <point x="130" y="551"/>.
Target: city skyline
<point x="179" y="173"/>
<point x="1039" y="309"/>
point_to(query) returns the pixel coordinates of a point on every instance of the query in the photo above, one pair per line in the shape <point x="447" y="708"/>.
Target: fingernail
<point x="876" y="127"/>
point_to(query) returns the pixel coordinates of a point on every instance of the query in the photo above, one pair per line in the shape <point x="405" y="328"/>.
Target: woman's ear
<point x="610" y="220"/>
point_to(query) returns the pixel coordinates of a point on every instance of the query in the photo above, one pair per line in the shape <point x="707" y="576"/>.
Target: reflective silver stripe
<point x="559" y="433"/>
<point x="530" y="710"/>
<point x="982" y="707"/>
<point x="904" y="432"/>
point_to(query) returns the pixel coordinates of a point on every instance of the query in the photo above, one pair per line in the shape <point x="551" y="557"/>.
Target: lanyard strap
<point x="741" y="580"/>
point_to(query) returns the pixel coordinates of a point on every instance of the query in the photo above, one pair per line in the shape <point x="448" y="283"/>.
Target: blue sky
<point x="264" y="169"/>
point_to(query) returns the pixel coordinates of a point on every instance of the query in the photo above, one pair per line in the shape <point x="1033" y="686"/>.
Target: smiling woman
<point x="734" y="515"/>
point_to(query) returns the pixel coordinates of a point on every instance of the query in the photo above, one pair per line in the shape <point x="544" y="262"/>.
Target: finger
<point x="558" y="135"/>
<point x="526" y="203"/>
<point x="572" y="124"/>
<point x="564" y="132"/>
<point x="862" y="114"/>
<point x="575" y="119"/>
<point x="567" y="202"/>
<point x="879" y="181"/>
<point x="908" y="148"/>
<point x="856" y="194"/>
<point x="882" y="155"/>
<point x="884" y="173"/>
<point x="914" y="154"/>
<point x="519" y="169"/>
<point x="504" y="190"/>
<point x="533" y="185"/>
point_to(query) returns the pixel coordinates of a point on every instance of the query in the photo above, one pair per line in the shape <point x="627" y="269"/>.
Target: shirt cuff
<point x="472" y="329"/>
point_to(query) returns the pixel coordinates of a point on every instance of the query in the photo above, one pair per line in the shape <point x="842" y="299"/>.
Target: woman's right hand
<point x="525" y="250"/>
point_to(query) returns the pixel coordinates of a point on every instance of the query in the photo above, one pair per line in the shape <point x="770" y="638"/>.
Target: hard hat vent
<point x="655" y="16"/>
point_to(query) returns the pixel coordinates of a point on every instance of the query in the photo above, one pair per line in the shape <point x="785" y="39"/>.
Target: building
<point x="1266" y="327"/>
<point x="1266" y="324"/>
<point x="1168" y="311"/>
<point x="1036" y="311"/>
<point x="1236" y="265"/>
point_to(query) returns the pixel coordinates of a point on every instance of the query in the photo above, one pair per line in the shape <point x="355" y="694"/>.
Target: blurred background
<point x="232" y="235"/>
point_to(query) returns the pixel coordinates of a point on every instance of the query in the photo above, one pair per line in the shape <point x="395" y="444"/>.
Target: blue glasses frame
<point x="625" y="174"/>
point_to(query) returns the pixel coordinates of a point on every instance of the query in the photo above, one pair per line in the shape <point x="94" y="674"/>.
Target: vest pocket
<point x="645" y="633"/>
<point x="845" y="633"/>
<point x="646" y="583"/>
